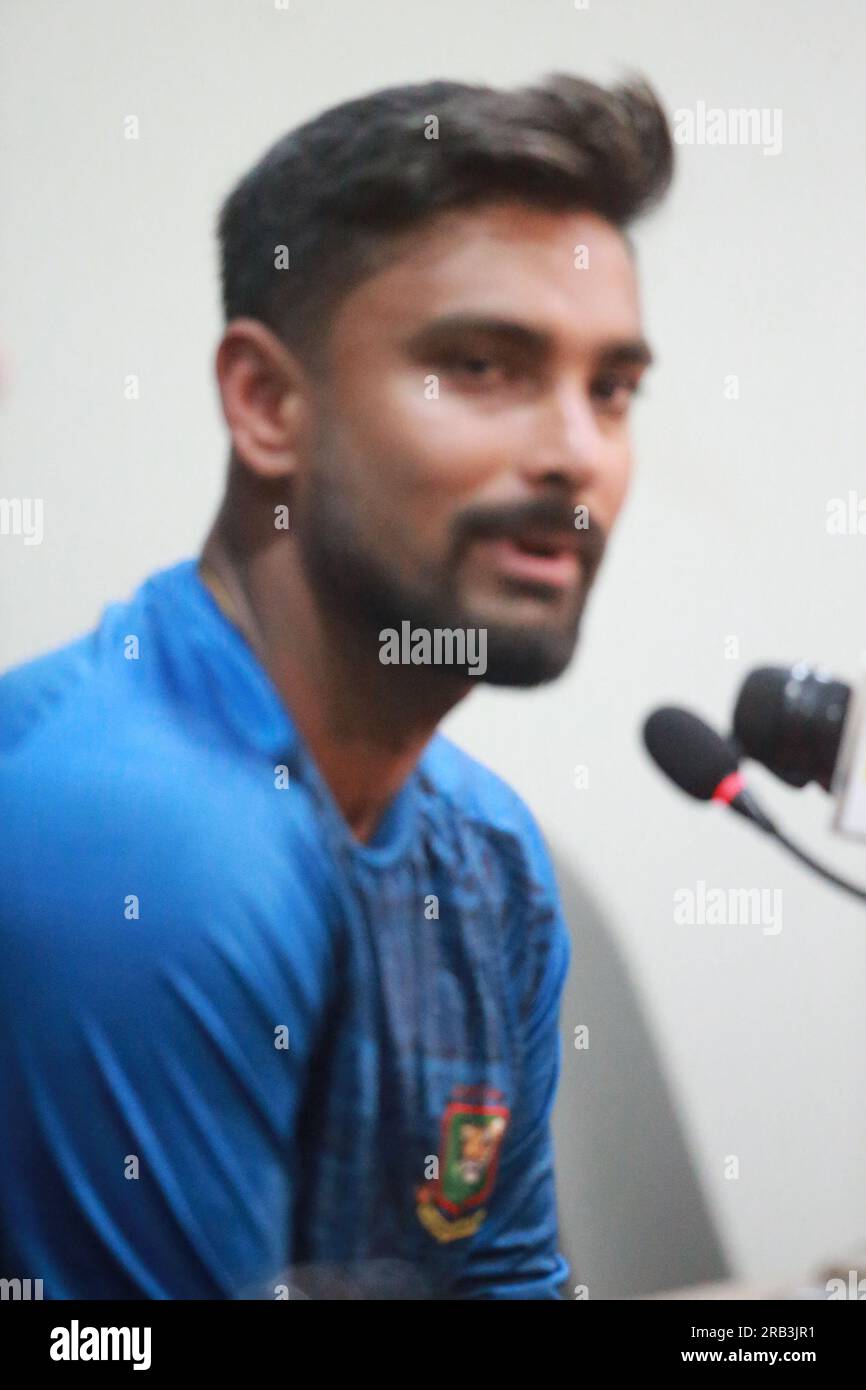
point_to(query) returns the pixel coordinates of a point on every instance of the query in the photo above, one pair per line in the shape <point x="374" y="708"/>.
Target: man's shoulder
<point x="91" y="732"/>
<point x="37" y="690"/>
<point x="116" y="768"/>
<point x="89" y="680"/>
<point x="479" y="795"/>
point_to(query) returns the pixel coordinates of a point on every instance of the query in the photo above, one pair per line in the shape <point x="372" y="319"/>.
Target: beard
<point x="353" y="579"/>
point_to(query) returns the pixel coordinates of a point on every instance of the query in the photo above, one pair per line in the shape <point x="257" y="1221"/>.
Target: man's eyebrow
<point x="623" y="352"/>
<point x="632" y="352"/>
<point x="504" y="329"/>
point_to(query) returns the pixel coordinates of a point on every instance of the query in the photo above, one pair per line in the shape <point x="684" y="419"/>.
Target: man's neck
<point x="364" y="723"/>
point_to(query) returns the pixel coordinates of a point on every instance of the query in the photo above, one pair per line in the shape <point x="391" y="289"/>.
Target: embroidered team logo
<point x="450" y="1205"/>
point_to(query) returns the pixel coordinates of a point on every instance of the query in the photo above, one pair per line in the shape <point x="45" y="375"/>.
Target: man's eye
<point x="478" y="367"/>
<point x="615" y="394"/>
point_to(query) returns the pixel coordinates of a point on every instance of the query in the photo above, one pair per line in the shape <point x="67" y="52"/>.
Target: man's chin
<point x="521" y="658"/>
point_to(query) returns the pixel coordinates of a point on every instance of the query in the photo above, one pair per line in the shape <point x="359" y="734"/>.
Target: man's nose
<point x="566" y="444"/>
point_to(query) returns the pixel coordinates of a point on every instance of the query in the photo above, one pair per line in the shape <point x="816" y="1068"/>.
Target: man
<point x="283" y="965"/>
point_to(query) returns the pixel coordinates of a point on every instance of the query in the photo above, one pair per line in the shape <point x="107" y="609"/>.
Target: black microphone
<point x="705" y="766"/>
<point x="790" y="718"/>
<point x="700" y="762"/>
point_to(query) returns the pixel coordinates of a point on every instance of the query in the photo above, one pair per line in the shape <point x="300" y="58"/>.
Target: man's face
<point x="475" y="409"/>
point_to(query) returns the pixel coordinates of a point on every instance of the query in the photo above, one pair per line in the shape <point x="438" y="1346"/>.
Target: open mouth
<point x="541" y="560"/>
<point x="539" y="547"/>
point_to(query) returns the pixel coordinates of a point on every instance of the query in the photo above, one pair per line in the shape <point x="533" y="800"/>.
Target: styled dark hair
<point x="336" y="191"/>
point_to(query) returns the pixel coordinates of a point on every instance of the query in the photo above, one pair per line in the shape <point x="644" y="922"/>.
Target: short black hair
<point x="336" y="190"/>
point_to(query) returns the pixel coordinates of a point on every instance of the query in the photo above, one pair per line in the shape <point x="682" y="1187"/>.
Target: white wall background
<point x="755" y="267"/>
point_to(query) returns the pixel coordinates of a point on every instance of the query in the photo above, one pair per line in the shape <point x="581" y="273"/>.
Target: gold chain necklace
<point x="220" y="593"/>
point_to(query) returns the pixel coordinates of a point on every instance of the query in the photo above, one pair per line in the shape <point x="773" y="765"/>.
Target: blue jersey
<point x="241" y="1053"/>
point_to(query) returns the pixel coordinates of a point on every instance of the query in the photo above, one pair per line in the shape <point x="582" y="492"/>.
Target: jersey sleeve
<point x="155" y="1031"/>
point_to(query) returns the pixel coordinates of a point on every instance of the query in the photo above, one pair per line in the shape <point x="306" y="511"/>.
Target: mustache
<point x="549" y="517"/>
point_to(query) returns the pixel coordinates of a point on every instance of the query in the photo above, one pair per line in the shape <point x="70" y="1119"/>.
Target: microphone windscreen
<point x="691" y="753"/>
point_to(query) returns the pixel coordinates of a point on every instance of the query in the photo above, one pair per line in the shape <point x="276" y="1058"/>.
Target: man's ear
<point x="265" y="398"/>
